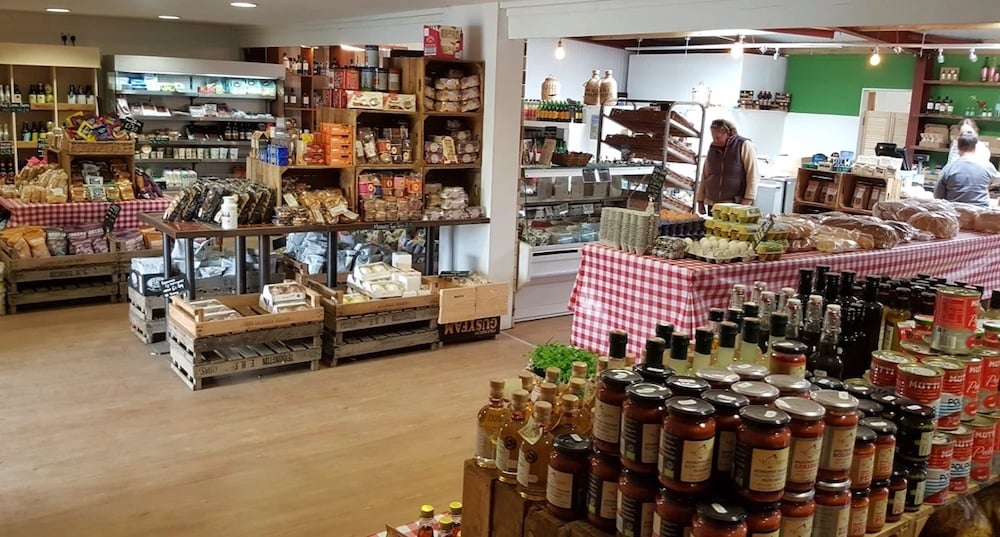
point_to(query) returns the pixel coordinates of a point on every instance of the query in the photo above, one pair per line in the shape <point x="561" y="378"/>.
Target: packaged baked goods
<point x="471" y="81"/>
<point x="943" y="225"/>
<point x="471" y="105"/>
<point x="966" y="214"/>
<point x="448" y="95"/>
<point x="448" y="84"/>
<point x="988" y="221"/>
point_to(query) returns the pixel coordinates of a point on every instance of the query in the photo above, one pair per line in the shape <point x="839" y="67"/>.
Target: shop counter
<point x="64" y="214"/>
<point x="615" y="289"/>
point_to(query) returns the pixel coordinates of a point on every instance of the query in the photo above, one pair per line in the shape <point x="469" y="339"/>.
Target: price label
<point x="16" y="108"/>
<point x="389" y="226"/>
<point x="589" y="175"/>
<point x="604" y="175"/>
<point x="110" y="217"/>
<point x="654" y="184"/>
<point x="174" y="286"/>
<point x="43" y="144"/>
<point x="132" y="125"/>
<point x="588" y="208"/>
<point x="762" y="231"/>
<point x="6" y="148"/>
<point x="562" y="209"/>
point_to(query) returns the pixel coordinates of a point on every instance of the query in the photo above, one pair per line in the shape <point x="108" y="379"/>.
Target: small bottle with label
<point x="489" y="420"/>
<point x="229" y="213"/>
<point x="508" y="438"/>
<point x="425" y="524"/>
<point x="534" y="452"/>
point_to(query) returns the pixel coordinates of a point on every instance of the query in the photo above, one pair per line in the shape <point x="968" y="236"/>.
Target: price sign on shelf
<point x="588" y="208"/>
<point x="174" y="286"/>
<point x="131" y="124"/>
<point x="562" y="209"/>
<point x="43" y="143"/>
<point x="589" y="175"/>
<point x="654" y="184"/>
<point x="765" y="226"/>
<point x="604" y="175"/>
<point x="110" y="217"/>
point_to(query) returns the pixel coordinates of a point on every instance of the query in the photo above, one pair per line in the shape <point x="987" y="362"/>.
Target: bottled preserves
<point x="727" y="422"/>
<point x="788" y="358"/>
<point x="685" y="386"/>
<point x="749" y="372"/>
<point x="859" y="512"/>
<point x="797" y="511"/>
<point x="533" y="454"/>
<point x="566" y="484"/>
<point x="916" y="427"/>
<point x="489" y="420"/>
<point x="826" y="360"/>
<point x="686" y="444"/>
<point x="859" y="388"/>
<point x="833" y="509"/>
<point x="869" y="409"/>
<point x="602" y="489"/>
<point x="673" y="514"/>
<point x="636" y="499"/>
<point x="789" y="386"/>
<point x="608" y="407"/>
<point x="509" y="440"/>
<point x="841" y="420"/>
<point x="916" y="481"/>
<point x="759" y="393"/>
<point x="719" y="520"/>
<point x="760" y="460"/>
<point x="642" y="418"/>
<point x="763" y="519"/>
<point x="863" y="458"/>
<point x="807" y="427"/>
<point x="885" y="446"/>
<point x="878" y="505"/>
<point x="718" y="379"/>
<point x="897" y="496"/>
<point x="827" y="383"/>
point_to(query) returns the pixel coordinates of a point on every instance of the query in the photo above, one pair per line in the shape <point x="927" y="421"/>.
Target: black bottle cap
<point x="679" y="346"/>
<point x="618" y="340"/>
<point x="751" y="330"/>
<point x="703" y="340"/>
<point x="727" y="334"/>
<point x="828" y="383"/>
<point x="751" y="309"/>
<point x="735" y="315"/>
<point x="995" y="299"/>
<point x="717" y="315"/>
<point x="870" y="408"/>
<point x="655" y="347"/>
<point x="778" y="324"/>
<point x="690" y="405"/>
<point x="725" y="399"/>
<point x="664" y="330"/>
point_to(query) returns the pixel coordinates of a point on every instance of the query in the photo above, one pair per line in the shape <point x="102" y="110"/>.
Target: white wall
<point x="573" y="70"/>
<point x="673" y="76"/>
<point x="124" y="36"/>
<point x="807" y="134"/>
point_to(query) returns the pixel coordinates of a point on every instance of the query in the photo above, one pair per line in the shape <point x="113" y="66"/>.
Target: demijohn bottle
<point x="490" y="418"/>
<point x="509" y="440"/>
<point x="826" y="362"/>
<point x="533" y="454"/>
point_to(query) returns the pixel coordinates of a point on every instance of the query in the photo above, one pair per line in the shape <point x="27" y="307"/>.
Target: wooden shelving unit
<point x="844" y="185"/>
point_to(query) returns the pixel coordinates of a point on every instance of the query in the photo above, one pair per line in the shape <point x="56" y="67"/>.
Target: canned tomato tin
<point x="883" y="368"/>
<point x="936" y="486"/>
<point x="923" y="325"/>
<point x="983" y="438"/>
<point x="973" y="381"/>
<point x="918" y="350"/>
<point x="991" y="334"/>
<point x="961" y="458"/>
<point x="995" y="416"/>
<point x="955" y="313"/>
<point x="949" y="411"/>
<point x="942" y="450"/>
<point x="990" y="380"/>
<point x="921" y="383"/>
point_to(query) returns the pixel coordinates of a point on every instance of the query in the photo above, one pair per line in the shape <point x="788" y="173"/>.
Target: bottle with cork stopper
<point x="534" y="452"/>
<point x="571" y="418"/>
<point x="652" y="369"/>
<point x="509" y="440"/>
<point x="617" y="345"/>
<point x="491" y="416"/>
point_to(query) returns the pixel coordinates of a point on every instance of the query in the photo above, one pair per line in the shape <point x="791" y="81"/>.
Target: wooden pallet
<point x="148" y="331"/>
<point x="149" y="308"/>
<point x="60" y="291"/>
<point x="379" y="332"/>
<point x="242" y="359"/>
<point x="357" y="346"/>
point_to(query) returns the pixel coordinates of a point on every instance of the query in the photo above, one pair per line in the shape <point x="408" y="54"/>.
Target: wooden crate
<point x="478" y="486"/>
<point x="509" y="511"/>
<point x="191" y="319"/>
<point x="541" y="523"/>
<point x="147" y="308"/>
<point x="352" y="330"/>
<point x="243" y="359"/>
<point x="60" y="291"/>
<point x="148" y="331"/>
<point x="57" y="267"/>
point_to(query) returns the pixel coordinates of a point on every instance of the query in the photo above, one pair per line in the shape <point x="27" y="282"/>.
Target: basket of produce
<point x="770" y="251"/>
<point x="572" y="159"/>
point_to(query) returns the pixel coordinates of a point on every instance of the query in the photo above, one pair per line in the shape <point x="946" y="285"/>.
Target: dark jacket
<point x="725" y="175"/>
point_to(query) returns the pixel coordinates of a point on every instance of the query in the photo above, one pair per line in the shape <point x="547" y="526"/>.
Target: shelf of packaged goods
<point x="960" y="118"/>
<point x="299" y="109"/>
<point x="476" y="113"/>
<point x="189" y="119"/>
<point x="63" y="107"/>
<point x="616" y="171"/>
<point x="359" y="226"/>
<point x="139" y="162"/>
<point x="944" y="150"/>
<point x="962" y="83"/>
<point x="411" y="166"/>
<point x="815" y="205"/>
<point x="617" y="199"/>
<point x="190" y="143"/>
<point x="303" y="75"/>
<point x="542" y="124"/>
<point x="194" y="95"/>
<point x="385" y="112"/>
<point x="474" y="166"/>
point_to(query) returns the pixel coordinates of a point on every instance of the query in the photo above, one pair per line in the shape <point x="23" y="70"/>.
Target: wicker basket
<point x="77" y="147"/>
<point x="572" y="159"/>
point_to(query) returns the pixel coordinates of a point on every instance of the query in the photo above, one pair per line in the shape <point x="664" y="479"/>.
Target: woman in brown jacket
<point x="730" y="172"/>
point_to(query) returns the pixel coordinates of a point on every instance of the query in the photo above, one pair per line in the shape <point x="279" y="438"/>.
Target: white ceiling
<point x="220" y="12"/>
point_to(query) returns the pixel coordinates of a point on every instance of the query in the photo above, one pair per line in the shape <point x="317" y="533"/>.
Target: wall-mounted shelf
<point x="960" y="118"/>
<point x="195" y="95"/>
<point x="189" y="119"/>
<point x="195" y="143"/>
<point x="139" y="162"/>
<point x="64" y="107"/>
<point x="962" y="83"/>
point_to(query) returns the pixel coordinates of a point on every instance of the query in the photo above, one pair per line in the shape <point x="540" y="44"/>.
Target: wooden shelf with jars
<point x="50" y="83"/>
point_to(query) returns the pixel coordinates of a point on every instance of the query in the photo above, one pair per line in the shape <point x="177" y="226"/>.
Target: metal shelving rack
<point x="652" y="133"/>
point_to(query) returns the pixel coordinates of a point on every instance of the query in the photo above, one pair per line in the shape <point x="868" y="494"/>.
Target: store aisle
<point x="102" y="439"/>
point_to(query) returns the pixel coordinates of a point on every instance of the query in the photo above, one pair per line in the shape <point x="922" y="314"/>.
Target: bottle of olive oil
<point x="490" y="418"/>
<point x="533" y="453"/>
<point x="572" y="418"/>
<point x="509" y="440"/>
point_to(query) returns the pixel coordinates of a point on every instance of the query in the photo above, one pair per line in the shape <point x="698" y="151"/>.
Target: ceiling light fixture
<point x="897" y="49"/>
<point x="169" y="17"/>
<point x="57" y="10"/>
<point x="763" y="49"/>
<point x="560" y="50"/>
<point x="736" y="51"/>
<point x="777" y="54"/>
<point x="972" y="56"/>
<point x="351" y="48"/>
<point x="243" y="4"/>
<point x="940" y="58"/>
<point x="875" y="59"/>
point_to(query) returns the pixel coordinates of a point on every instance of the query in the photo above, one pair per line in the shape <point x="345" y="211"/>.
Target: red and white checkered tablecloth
<point x="615" y="289"/>
<point x="63" y="214"/>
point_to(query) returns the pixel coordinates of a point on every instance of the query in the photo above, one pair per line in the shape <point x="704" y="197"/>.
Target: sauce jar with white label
<point x="642" y="418"/>
<point x="760" y="461"/>
<point x="687" y="440"/>
<point x="807" y="427"/>
<point x="608" y="407"/>
<point x="833" y="508"/>
<point x="797" y="511"/>
<point x="719" y="520"/>
<point x="566" y="486"/>
<point x="727" y="421"/>
<point x="602" y="489"/>
<point x="636" y="499"/>
<point x="673" y="514"/>
<point x="841" y="421"/>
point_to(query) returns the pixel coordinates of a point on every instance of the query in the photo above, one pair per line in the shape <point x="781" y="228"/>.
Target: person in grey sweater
<point x="967" y="179"/>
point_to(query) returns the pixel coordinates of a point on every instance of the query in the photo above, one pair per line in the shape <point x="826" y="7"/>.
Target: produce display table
<point x="63" y="214"/>
<point x="615" y="289"/>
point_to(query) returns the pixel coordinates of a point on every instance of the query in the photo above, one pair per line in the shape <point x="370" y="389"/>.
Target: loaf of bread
<point x="966" y="214"/>
<point x="988" y="221"/>
<point x="943" y="225"/>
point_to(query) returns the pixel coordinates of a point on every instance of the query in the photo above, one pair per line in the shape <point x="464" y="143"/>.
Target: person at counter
<point x="982" y="152"/>
<point x="967" y="179"/>
<point x="730" y="172"/>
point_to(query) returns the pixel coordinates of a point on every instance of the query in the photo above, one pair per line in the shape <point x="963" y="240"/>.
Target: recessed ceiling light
<point x="169" y="17"/>
<point x="242" y="4"/>
<point x="57" y="10"/>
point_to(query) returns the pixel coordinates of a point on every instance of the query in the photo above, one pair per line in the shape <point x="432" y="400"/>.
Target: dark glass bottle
<point x="751" y="309"/>
<point x="853" y="338"/>
<point x="848" y="280"/>
<point x="812" y="324"/>
<point x="825" y="361"/>
<point x="618" y="342"/>
<point x="831" y="290"/>
<point x="927" y="302"/>
<point x="885" y="293"/>
<point x="819" y="281"/>
<point x="871" y="322"/>
<point x="899" y="311"/>
<point x="805" y="284"/>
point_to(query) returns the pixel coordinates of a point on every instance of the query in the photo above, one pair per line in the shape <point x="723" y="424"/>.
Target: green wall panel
<point x="832" y="83"/>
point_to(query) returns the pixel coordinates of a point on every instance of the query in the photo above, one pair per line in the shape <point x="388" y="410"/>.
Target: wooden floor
<point x="99" y="438"/>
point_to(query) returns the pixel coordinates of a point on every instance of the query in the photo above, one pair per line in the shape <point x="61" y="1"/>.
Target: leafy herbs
<point x="561" y="356"/>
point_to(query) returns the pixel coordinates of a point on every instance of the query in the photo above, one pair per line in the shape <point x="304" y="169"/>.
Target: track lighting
<point x="973" y="57"/>
<point x="763" y="49"/>
<point x="897" y="49"/>
<point x="940" y="58"/>
<point x="560" y="50"/>
<point x="737" y="49"/>
<point x="875" y="59"/>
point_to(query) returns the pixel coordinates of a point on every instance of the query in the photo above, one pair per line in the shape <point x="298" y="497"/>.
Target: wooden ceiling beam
<point x="901" y="37"/>
<point x="820" y="33"/>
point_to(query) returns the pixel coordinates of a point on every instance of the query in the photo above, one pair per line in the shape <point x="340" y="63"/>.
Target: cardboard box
<point x="444" y="42"/>
<point x="471" y="303"/>
<point x="364" y="100"/>
<point x="861" y="192"/>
